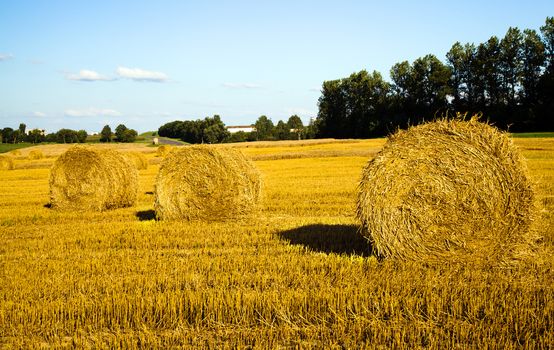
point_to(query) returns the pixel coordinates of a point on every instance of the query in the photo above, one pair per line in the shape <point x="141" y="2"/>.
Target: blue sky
<point x="82" y="65"/>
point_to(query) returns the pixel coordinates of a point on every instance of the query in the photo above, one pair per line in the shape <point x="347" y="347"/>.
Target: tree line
<point x="213" y="130"/>
<point x="510" y="80"/>
<point x="9" y="135"/>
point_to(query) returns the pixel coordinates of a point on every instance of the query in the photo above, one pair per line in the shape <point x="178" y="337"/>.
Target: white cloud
<point x="316" y="89"/>
<point x="5" y="56"/>
<point x="39" y="114"/>
<point x="92" y="112"/>
<point x="88" y="75"/>
<point x="242" y="86"/>
<point x="138" y="74"/>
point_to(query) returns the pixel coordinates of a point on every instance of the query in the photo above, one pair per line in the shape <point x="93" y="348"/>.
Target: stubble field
<point x="295" y="276"/>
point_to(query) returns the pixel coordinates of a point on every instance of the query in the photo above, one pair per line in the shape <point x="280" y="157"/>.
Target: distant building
<point x="237" y="128"/>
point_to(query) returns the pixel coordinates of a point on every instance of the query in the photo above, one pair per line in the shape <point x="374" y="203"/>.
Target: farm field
<point x="297" y="275"/>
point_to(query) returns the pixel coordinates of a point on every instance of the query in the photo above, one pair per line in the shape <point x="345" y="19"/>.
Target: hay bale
<point x="6" y="163"/>
<point x="138" y="159"/>
<point x="163" y="150"/>
<point x="206" y="183"/>
<point x="35" y="154"/>
<point x="86" y="178"/>
<point x="446" y="190"/>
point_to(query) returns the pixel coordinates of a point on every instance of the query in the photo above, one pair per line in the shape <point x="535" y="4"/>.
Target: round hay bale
<point x="206" y="183"/>
<point x="35" y="154"/>
<point x="138" y="159"/>
<point x="6" y="163"/>
<point x="446" y="190"/>
<point x="85" y="178"/>
<point x="163" y="150"/>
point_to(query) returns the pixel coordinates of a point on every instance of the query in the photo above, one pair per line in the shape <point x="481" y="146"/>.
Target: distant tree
<point x="7" y="135"/>
<point x="129" y="136"/>
<point x="296" y="126"/>
<point x="66" y="136"/>
<point x="282" y="131"/>
<point x="22" y="128"/>
<point x="264" y="128"/>
<point x="511" y="64"/>
<point x="547" y="31"/>
<point x="239" y="136"/>
<point x="81" y="136"/>
<point x="533" y="61"/>
<point x="36" y="136"/>
<point x="106" y="134"/>
<point x="119" y="133"/>
<point x="213" y="130"/>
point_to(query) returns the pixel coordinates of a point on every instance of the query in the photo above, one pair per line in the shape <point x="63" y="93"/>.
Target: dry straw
<point x="163" y="150"/>
<point x="6" y="163"/>
<point x="138" y="159"/>
<point x="35" y="154"/>
<point x="206" y="183"/>
<point x="15" y="152"/>
<point x="85" y="178"/>
<point x="449" y="189"/>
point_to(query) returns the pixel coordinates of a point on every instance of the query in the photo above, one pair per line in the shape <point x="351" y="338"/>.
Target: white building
<point x="237" y="128"/>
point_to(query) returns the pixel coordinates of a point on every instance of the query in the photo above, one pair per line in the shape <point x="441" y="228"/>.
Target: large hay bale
<point x="6" y="163"/>
<point x="86" y="178"/>
<point x="35" y="154"/>
<point x="446" y="190"/>
<point x="206" y="183"/>
<point x="138" y="159"/>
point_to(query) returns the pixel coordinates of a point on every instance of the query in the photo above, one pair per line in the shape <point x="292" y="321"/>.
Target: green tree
<point x="533" y="61"/>
<point x="81" y="136"/>
<point x="22" y="128"/>
<point x="282" y="131"/>
<point x="36" y="136"/>
<point x="296" y="126"/>
<point x="106" y="134"/>
<point x="7" y="135"/>
<point x="511" y="63"/>
<point x="547" y="32"/>
<point x="120" y="133"/>
<point x="129" y="135"/>
<point x="213" y="130"/>
<point x="264" y="128"/>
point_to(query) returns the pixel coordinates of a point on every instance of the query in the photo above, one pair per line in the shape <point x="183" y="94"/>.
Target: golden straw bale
<point x="35" y="154"/>
<point x="6" y="163"/>
<point x="206" y="183"/>
<point x="163" y="150"/>
<point x="138" y="159"/>
<point x="87" y="178"/>
<point x="449" y="189"/>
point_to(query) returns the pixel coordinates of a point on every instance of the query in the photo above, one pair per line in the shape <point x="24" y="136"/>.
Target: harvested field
<point x="296" y="276"/>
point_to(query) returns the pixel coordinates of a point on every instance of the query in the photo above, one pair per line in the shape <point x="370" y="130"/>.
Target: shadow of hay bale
<point x="338" y="239"/>
<point x="146" y="215"/>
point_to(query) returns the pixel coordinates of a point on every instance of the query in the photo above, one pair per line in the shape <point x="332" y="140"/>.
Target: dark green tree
<point x="7" y="135"/>
<point x="264" y="128"/>
<point x="296" y="126"/>
<point x="81" y="136"/>
<point x="282" y="131"/>
<point x="511" y="64"/>
<point x="533" y="61"/>
<point x="120" y="133"/>
<point x="106" y="134"/>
